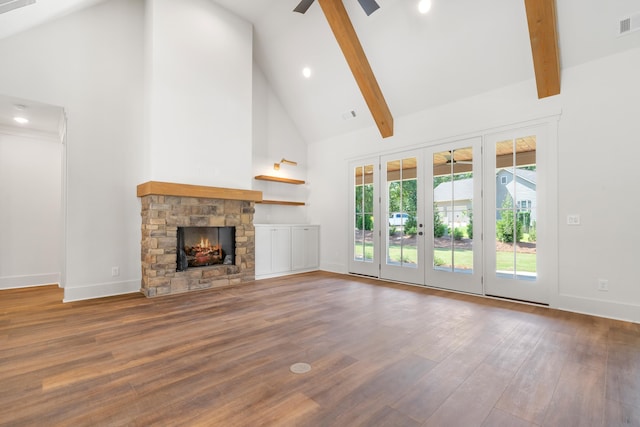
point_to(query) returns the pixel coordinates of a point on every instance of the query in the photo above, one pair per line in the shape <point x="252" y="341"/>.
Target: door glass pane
<point x="516" y="203"/>
<point x="402" y="206"/>
<point x="363" y="221"/>
<point x="453" y="210"/>
<point x="526" y="201"/>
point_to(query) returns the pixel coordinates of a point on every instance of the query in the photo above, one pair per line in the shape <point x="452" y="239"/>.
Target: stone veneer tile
<point x="161" y="215"/>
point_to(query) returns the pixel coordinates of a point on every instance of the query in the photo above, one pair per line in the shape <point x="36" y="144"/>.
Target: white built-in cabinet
<point x="304" y="247"/>
<point x="286" y="249"/>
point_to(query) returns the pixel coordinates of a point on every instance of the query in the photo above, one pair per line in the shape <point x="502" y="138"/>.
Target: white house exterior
<point x="454" y="199"/>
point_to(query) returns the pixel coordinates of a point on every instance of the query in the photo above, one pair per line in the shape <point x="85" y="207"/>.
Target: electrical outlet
<point x="573" y="219"/>
<point x="603" y="285"/>
<point x="115" y="271"/>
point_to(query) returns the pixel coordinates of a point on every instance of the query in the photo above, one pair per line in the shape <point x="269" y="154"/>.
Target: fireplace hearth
<point x="195" y="237"/>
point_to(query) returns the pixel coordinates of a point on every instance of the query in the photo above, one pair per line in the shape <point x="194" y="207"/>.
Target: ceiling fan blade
<point x="369" y="6"/>
<point x="303" y="6"/>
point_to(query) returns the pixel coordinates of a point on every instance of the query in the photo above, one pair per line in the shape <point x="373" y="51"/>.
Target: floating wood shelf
<point x="187" y="190"/>
<point x="281" y="202"/>
<point x="278" y="179"/>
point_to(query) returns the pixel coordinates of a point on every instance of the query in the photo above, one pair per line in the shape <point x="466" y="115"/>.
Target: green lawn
<point x="526" y="263"/>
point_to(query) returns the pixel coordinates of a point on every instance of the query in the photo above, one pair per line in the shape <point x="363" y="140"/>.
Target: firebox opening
<point x="203" y="246"/>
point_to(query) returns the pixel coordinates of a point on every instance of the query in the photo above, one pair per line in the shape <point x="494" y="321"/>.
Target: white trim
<point x="286" y="273"/>
<point x="569" y="303"/>
<point x="63" y="202"/>
<point x="14" y="282"/>
<point x="101" y="290"/>
<point x="597" y="307"/>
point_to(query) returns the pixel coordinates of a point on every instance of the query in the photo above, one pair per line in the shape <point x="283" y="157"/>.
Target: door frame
<point x="547" y="238"/>
<point x="361" y="267"/>
<point x="541" y="290"/>
<point x="389" y="271"/>
<point x="450" y="280"/>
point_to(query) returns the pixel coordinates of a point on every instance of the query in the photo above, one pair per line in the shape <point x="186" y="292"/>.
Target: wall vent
<point x="629" y="24"/>
<point x="9" y="5"/>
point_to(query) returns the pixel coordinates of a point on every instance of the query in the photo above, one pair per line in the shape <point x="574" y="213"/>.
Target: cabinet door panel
<point x="263" y="250"/>
<point x="304" y="247"/>
<point x="298" y="248"/>
<point x="280" y="249"/>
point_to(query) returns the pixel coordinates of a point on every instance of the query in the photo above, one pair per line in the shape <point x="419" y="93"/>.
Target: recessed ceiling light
<point x="306" y="72"/>
<point x="424" y="6"/>
<point x="21" y="120"/>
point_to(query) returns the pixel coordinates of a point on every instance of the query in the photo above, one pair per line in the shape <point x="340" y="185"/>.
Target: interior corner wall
<point x="95" y="71"/>
<point x="30" y="218"/>
<point x="199" y="92"/>
<point x="597" y="145"/>
<point x="275" y="136"/>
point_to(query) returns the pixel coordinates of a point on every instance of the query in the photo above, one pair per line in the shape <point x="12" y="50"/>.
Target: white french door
<point x="403" y="231"/>
<point x="364" y="208"/>
<point x="454" y="196"/>
<point x="476" y="215"/>
<point x="520" y="224"/>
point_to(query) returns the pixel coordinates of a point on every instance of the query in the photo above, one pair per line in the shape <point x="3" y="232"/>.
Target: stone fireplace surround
<point x="167" y="206"/>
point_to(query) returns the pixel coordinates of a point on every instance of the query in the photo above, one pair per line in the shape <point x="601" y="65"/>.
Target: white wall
<point x="597" y="145"/>
<point x="91" y="63"/>
<point x="275" y="136"/>
<point x="30" y="218"/>
<point x="598" y="177"/>
<point x="160" y="90"/>
<point x="198" y="72"/>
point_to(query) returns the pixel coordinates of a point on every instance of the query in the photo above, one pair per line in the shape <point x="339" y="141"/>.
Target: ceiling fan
<point x="369" y="6"/>
<point x="449" y="160"/>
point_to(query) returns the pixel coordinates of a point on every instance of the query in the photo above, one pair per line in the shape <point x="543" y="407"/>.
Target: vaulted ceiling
<point x="459" y="49"/>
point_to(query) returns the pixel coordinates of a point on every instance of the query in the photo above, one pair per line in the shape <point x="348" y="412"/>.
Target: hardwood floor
<point x="381" y="355"/>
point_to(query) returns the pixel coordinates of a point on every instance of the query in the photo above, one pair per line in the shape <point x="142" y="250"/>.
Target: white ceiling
<point x="461" y="48"/>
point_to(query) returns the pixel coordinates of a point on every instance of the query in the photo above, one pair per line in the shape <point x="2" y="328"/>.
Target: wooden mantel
<point x="187" y="190"/>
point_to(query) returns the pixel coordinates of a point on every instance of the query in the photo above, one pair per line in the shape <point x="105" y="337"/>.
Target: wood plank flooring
<point x="381" y="355"/>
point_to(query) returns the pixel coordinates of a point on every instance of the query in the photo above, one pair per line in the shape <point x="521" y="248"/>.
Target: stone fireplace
<point x="168" y="207"/>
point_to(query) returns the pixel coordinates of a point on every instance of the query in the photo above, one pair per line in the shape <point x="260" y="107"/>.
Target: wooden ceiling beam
<point x="541" y="16"/>
<point x="353" y="52"/>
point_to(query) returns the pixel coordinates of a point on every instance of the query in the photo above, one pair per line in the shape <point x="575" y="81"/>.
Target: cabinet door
<point x="263" y="250"/>
<point x="304" y="247"/>
<point x="280" y="249"/>
<point x="313" y="247"/>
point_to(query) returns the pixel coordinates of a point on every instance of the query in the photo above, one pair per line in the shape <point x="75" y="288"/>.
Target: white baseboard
<point x="272" y="275"/>
<point x="285" y="273"/>
<point x="596" y="307"/>
<point x="100" y="290"/>
<point x="13" y="282"/>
